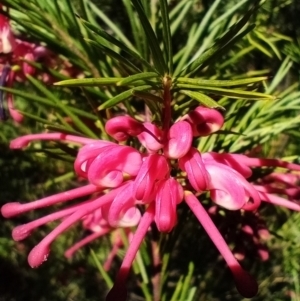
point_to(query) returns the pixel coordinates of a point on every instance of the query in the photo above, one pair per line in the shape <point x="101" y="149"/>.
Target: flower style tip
<point x="38" y="255"/>
<point x="121" y="127"/>
<point x="21" y="232"/>
<point x="11" y="209"/>
<point x="179" y="141"/>
<point x="244" y="282"/>
<point x="15" y="114"/>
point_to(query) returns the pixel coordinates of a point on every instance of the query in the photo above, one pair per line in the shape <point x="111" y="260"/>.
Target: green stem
<point x="166" y="117"/>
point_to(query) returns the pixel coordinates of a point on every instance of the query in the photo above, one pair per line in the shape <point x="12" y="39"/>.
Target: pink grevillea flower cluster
<point x="143" y="183"/>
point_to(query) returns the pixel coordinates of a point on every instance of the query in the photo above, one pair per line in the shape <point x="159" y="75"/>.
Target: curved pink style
<point x="235" y="161"/>
<point x="119" y="291"/>
<point x="15" y="208"/>
<point x="41" y="251"/>
<point x="245" y="283"/>
<point x="24" y="141"/>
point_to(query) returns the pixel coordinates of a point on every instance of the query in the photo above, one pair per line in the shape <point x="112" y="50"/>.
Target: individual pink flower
<point x="121" y="127"/>
<point x="204" y="121"/>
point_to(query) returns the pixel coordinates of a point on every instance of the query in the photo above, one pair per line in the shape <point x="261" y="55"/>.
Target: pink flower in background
<point x="16" y="56"/>
<point x="7" y="39"/>
<point x="152" y="179"/>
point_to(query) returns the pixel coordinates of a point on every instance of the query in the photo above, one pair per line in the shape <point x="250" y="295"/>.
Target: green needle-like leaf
<point x="77" y="121"/>
<point x="136" y="77"/>
<point x="203" y="99"/>
<point x="222" y="42"/>
<point x="114" y="55"/>
<point x="220" y="83"/>
<point x="167" y="34"/>
<point x="153" y="44"/>
<point x="134" y="55"/>
<point x="82" y="82"/>
<point x="230" y="92"/>
<point x="122" y="96"/>
<point x="47" y="102"/>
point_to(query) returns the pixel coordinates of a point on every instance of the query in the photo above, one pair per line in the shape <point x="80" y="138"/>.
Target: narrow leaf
<point x="203" y="99"/>
<point x="220" y="83"/>
<point x="167" y="34"/>
<point x="82" y="82"/>
<point x="221" y="42"/>
<point x="115" y="55"/>
<point x="77" y="121"/>
<point x="158" y="58"/>
<point x="231" y="92"/>
<point x="140" y="76"/>
<point x="46" y="101"/>
<point x="134" y="55"/>
<point x="122" y="96"/>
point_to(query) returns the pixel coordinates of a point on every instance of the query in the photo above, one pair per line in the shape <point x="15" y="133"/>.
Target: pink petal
<point x="120" y="205"/>
<point x="121" y="127"/>
<point x="151" y="137"/>
<point x="226" y="188"/>
<point x="154" y="168"/>
<point x="179" y="140"/>
<point x="169" y="194"/>
<point x="193" y="165"/>
<point x="109" y="168"/>
<point x="87" y="154"/>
